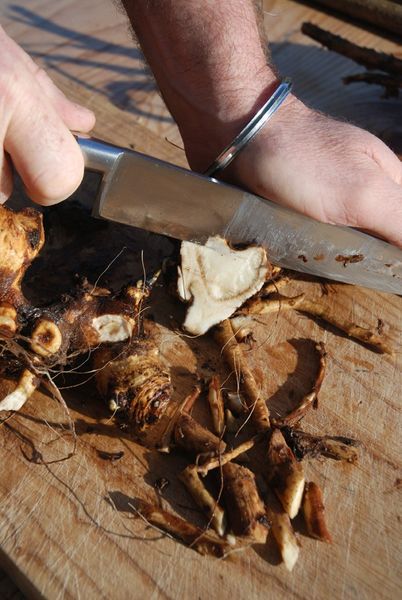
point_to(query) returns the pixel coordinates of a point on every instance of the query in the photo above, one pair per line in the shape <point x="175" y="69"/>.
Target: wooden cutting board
<point x="67" y="528"/>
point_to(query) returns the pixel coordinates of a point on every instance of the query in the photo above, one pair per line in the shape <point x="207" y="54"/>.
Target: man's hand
<point x="208" y="59"/>
<point x="326" y="169"/>
<point x="35" y="123"/>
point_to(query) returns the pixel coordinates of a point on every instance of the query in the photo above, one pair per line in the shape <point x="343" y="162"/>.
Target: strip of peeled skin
<point x="216" y="279"/>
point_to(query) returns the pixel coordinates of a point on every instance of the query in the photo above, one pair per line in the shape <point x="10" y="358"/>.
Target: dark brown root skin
<point x="204" y="542"/>
<point x="314" y="513"/>
<point x="246" y="510"/>
<point x="196" y="439"/>
<point x="310" y="400"/>
<point x="132" y="380"/>
<point x="313" y="446"/>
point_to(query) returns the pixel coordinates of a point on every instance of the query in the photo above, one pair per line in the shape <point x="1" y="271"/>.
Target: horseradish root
<point x="234" y="357"/>
<point x="246" y="510"/>
<point x="313" y="509"/>
<point x="204" y="499"/>
<point x="284" y="535"/>
<point x="195" y="439"/>
<point x="27" y="384"/>
<point x="204" y="542"/>
<point x="216" y="405"/>
<point x="133" y="381"/>
<point x="285" y="474"/>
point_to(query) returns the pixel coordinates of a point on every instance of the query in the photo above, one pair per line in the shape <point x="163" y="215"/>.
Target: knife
<point x="151" y="194"/>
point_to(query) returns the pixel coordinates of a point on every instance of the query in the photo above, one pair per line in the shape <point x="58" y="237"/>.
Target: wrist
<point x="207" y="133"/>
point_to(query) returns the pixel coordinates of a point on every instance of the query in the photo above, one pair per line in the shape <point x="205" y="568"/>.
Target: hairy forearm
<point x="210" y="64"/>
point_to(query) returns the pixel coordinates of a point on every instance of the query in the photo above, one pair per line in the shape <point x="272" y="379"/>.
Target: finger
<point x="42" y="149"/>
<point x="380" y="210"/>
<point x="6" y="178"/>
<point x="75" y="116"/>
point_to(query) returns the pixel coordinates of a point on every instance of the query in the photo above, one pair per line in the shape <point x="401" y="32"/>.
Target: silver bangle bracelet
<point x="251" y="129"/>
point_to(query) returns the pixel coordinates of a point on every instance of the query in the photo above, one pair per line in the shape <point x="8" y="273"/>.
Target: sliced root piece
<point x="284" y="534"/>
<point x="132" y="380"/>
<point x="216" y="405"/>
<point x="226" y="457"/>
<point x="307" y="445"/>
<point x="236" y="361"/>
<point x="196" y="439"/>
<point x="204" y="542"/>
<point x="314" y="513"/>
<point x="204" y="499"/>
<point x="366" y="336"/>
<point x="285" y="474"/>
<point x="217" y="279"/>
<point x="310" y="400"/>
<point x="246" y="510"/>
<point x="27" y="384"/>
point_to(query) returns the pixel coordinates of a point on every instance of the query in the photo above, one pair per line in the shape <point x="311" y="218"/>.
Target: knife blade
<point x="151" y="194"/>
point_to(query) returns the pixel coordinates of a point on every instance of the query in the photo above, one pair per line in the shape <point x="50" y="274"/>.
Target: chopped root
<point x="233" y="355"/>
<point x="284" y="535"/>
<point x="27" y="384"/>
<point x="366" y="336"/>
<point x="195" y="439"/>
<point x="246" y="510"/>
<point x="216" y="405"/>
<point x="261" y="306"/>
<point x="264" y="306"/>
<point x="204" y="542"/>
<point x="314" y="513"/>
<point x="223" y="459"/>
<point x="285" y="474"/>
<point x="307" y="445"/>
<point x="204" y="499"/>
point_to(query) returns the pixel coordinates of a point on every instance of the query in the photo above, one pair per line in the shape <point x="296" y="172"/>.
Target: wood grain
<point x="67" y="529"/>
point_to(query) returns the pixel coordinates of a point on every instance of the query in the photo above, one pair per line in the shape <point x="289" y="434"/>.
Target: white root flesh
<point x="285" y="537"/>
<point x="113" y="328"/>
<point x="26" y="386"/>
<point x="286" y="475"/>
<point x="216" y="280"/>
<point x="216" y="405"/>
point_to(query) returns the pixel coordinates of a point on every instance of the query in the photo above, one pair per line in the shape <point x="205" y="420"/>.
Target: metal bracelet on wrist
<point x="251" y="129"/>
